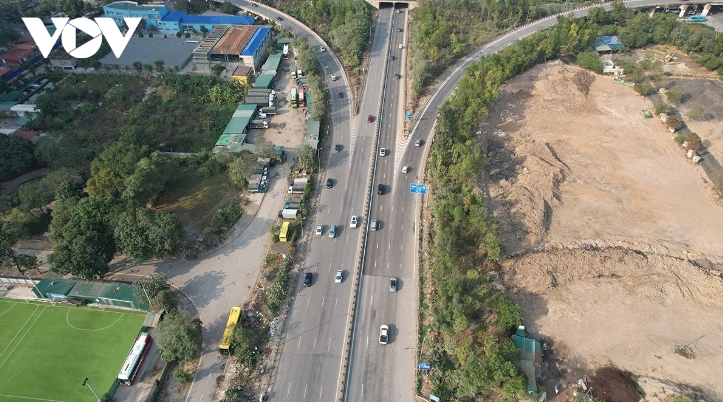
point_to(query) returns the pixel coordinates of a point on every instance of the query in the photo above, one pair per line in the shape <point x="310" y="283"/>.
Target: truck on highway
<point x="288" y="213"/>
<point x="259" y="124"/>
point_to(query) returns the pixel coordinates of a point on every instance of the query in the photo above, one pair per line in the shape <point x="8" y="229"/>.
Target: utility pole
<point x="85" y="382"/>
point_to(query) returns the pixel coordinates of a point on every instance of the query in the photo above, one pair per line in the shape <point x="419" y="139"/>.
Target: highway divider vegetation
<point x="465" y="332"/>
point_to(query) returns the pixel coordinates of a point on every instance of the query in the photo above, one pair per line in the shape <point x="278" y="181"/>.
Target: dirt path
<point x="10" y="186"/>
<point x="608" y="225"/>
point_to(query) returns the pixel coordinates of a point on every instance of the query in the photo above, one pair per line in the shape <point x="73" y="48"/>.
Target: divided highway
<point x="310" y="364"/>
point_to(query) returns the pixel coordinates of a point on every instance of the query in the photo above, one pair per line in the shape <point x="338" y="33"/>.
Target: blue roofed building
<point x="167" y="22"/>
<point x="233" y="44"/>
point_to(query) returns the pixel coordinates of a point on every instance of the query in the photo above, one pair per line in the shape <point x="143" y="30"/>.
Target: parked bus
<point x="135" y="359"/>
<point x="302" y="97"/>
<point x="225" y="347"/>
<point x="294" y="103"/>
<point x="284" y="231"/>
<point x="286" y="51"/>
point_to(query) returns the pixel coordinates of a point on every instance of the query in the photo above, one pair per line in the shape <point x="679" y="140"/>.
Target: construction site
<point x="613" y="237"/>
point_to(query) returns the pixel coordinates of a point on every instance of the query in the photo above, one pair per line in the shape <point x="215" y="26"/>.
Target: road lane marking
<point x="329" y="266"/>
<point x="322" y="301"/>
<point x="305" y="386"/>
<point x="307" y="302"/>
<point x="328" y="345"/>
<point x="314" y="348"/>
<point x="402" y="209"/>
<point x="367" y="341"/>
<point x="401" y="247"/>
<point x="320" y="392"/>
<point x="336" y="302"/>
<point x="347" y="237"/>
<point x="375" y="263"/>
<point x="372" y="301"/>
<point x="387" y="265"/>
<point x="288" y="390"/>
<point x="362" y="395"/>
<point x="377" y="245"/>
<point x="390" y="246"/>
<point x="402" y="227"/>
<point x="299" y="343"/>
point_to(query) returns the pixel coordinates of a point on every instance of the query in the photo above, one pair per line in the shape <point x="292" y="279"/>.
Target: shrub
<point x="644" y="88"/>
<point x="590" y="61"/>
<point x="276" y="293"/>
<point x="181" y="376"/>
<point x="225" y="217"/>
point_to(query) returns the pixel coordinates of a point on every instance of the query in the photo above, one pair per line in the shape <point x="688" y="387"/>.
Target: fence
<point x="15" y="280"/>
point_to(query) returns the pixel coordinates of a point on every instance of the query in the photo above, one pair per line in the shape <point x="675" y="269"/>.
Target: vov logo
<point x="97" y="30"/>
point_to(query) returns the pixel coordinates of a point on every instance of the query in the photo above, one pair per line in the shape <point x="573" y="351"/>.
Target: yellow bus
<point x="284" y="231"/>
<point x="233" y="318"/>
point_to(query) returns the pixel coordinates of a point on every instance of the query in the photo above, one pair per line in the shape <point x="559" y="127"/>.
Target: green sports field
<point x="47" y="351"/>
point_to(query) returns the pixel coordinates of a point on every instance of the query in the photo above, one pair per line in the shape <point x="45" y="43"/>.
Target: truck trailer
<point x="251" y="100"/>
<point x="288" y="213"/>
<point x="258" y="124"/>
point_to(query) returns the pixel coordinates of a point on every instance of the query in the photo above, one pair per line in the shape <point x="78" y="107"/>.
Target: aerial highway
<point x="310" y="366"/>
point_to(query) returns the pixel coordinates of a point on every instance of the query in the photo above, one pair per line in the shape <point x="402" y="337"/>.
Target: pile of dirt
<point x="612" y="385"/>
<point x="614" y="239"/>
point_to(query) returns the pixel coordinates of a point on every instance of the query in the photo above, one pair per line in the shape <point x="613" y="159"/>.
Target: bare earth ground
<point x="608" y="226"/>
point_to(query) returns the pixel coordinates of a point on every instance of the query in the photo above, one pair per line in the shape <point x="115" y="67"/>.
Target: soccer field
<point x="47" y="351"/>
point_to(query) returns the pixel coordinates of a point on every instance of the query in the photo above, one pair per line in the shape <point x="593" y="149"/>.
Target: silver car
<point x="319" y="229"/>
<point x="393" y="284"/>
<point x="354" y="222"/>
<point x="332" y="231"/>
<point x="338" y="277"/>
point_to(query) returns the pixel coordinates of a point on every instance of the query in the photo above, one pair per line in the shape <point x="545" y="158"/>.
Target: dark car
<point x="400" y="30"/>
<point x="380" y="189"/>
<point x="397" y="75"/>
<point x="329" y="183"/>
<point x="254" y="4"/>
<point x="341" y="94"/>
<point x="337" y="147"/>
<point x="392" y="57"/>
<point x="307" y="279"/>
<point x="280" y="18"/>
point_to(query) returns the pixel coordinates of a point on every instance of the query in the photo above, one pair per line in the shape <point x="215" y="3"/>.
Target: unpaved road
<point x="607" y="225"/>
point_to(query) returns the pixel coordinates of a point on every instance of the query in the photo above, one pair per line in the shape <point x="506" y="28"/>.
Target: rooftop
<point x="133" y="6"/>
<point x="234" y="40"/>
<point x="258" y="37"/>
<point x="241" y="71"/>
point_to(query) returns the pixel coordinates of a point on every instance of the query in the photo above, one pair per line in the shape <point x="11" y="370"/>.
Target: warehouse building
<point x="229" y="44"/>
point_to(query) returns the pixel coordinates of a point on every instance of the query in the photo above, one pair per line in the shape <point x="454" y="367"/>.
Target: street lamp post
<point x="85" y="383"/>
<point x="318" y="159"/>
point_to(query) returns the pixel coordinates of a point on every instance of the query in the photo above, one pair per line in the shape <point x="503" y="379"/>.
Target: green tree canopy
<point x="83" y="243"/>
<point x="16" y="156"/>
<point x="179" y="336"/>
<point x="142" y="233"/>
<point x="155" y="291"/>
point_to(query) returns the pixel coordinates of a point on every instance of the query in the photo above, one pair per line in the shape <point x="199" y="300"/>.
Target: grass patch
<point x="194" y="200"/>
<point x="49" y="350"/>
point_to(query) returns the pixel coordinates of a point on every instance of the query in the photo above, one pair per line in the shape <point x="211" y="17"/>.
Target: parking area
<point x="288" y="126"/>
<point x="173" y="51"/>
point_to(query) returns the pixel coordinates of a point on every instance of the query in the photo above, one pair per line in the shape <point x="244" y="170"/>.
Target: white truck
<point x="258" y="124"/>
<point x="288" y="213"/>
<point x="298" y="185"/>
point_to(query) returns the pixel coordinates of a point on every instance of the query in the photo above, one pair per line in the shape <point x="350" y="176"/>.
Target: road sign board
<point x="417" y="188"/>
<point x="409" y="115"/>
<point x="424" y="366"/>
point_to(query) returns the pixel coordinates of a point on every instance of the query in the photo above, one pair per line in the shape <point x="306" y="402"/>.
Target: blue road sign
<point x="423" y="366"/>
<point x="409" y="115"/>
<point x="417" y="188"/>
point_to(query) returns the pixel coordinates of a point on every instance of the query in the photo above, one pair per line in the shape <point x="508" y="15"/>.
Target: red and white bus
<point x="302" y="97"/>
<point x="135" y="359"/>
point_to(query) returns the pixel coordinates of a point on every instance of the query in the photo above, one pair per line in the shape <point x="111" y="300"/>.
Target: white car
<point x="321" y="48"/>
<point x="383" y="152"/>
<point x="384" y="334"/>
<point x="319" y="229"/>
<point x="406" y="169"/>
<point x="354" y="222"/>
<point x="338" y="277"/>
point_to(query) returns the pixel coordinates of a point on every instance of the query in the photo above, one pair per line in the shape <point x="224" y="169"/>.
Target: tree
<point x="695" y="113"/>
<point x="264" y="149"/>
<point x="590" y="61"/>
<point x="141" y="233"/>
<point x="83" y="243"/>
<point x="241" y="168"/>
<point x="50" y="104"/>
<point x="307" y="157"/>
<point x="661" y="107"/>
<point x="39" y="192"/>
<point x="228" y="8"/>
<point x="159" y="64"/>
<point x="179" y="336"/>
<point x="217" y="69"/>
<point x="155" y="291"/>
<point x="10" y="234"/>
<point x="16" y="156"/>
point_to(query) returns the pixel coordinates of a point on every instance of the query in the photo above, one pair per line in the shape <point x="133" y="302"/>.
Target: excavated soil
<point x="615" y="252"/>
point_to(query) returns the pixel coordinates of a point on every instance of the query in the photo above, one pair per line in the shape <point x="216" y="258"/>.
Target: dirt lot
<point x="614" y="238"/>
